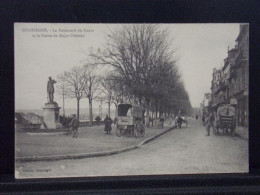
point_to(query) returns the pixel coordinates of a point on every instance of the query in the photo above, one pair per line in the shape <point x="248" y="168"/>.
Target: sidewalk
<point x="242" y="132"/>
<point x="92" y="141"/>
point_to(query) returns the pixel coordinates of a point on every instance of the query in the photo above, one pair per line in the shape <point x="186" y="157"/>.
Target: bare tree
<point x="91" y="86"/>
<point x="73" y="84"/>
<point x="137" y="52"/>
<point x="61" y="92"/>
<point x="107" y="90"/>
<point x="144" y="66"/>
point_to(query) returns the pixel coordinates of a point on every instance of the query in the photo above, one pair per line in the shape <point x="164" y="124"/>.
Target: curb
<point x="89" y="155"/>
<point x="54" y="133"/>
<point x="241" y="137"/>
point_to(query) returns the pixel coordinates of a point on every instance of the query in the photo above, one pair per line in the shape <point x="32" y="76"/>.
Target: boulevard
<point x="181" y="151"/>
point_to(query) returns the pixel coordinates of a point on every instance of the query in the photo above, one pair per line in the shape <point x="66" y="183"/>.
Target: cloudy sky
<point x="38" y="55"/>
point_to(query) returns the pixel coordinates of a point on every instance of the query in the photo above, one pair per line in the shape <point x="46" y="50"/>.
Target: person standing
<point x="75" y="124"/>
<point x="207" y="122"/>
<point x="179" y="121"/>
<point x="108" y="122"/>
<point x="98" y="119"/>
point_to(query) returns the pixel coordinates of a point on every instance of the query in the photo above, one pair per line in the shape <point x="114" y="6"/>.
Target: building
<point x="229" y="84"/>
<point x="207" y="99"/>
<point x="216" y="94"/>
<point x="239" y="78"/>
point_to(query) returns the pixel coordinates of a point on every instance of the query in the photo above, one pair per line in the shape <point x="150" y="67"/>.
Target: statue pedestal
<point x="51" y="115"/>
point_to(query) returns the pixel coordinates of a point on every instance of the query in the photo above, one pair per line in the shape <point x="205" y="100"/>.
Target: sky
<point x="41" y="51"/>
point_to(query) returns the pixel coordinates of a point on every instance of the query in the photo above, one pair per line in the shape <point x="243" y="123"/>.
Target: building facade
<point x="240" y="75"/>
<point x="230" y="83"/>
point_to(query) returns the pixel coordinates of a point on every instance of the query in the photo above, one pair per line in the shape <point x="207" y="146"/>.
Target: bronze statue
<point x="50" y="89"/>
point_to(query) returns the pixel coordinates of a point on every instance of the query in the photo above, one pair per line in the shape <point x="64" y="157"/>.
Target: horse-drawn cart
<point x="226" y="119"/>
<point x="130" y="120"/>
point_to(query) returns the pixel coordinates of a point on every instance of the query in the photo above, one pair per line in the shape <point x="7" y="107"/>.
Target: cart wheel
<point x="119" y="132"/>
<point x="139" y="130"/>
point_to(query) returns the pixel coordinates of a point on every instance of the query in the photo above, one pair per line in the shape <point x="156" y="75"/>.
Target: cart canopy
<point x="226" y="110"/>
<point x="130" y="110"/>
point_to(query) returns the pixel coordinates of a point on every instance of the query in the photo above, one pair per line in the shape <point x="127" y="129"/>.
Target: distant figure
<point x="75" y="124"/>
<point x="197" y="117"/>
<point x="108" y="122"/>
<point x="161" y="122"/>
<point x="50" y="89"/>
<point x="147" y="120"/>
<point x="179" y="121"/>
<point x="151" y="121"/>
<point x="207" y="123"/>
<point x="214" y="123"/>
<point x="98" y="119"/>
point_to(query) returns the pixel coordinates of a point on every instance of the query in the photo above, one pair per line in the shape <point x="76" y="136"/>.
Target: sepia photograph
<point x="96" y="100"/>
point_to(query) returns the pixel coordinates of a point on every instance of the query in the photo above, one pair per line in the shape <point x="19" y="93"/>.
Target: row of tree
<point x="140" y="69"/>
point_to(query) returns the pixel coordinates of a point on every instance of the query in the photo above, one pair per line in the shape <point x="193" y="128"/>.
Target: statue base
<point x="51" y="116"/>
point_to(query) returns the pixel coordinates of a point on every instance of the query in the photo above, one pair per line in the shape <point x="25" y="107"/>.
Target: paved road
<point x="90" y="140"/>
<point x="181" y="151"/>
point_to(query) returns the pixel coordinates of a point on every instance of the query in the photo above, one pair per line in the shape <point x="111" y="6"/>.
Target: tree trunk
<point x="109" y="108"/>
<point x="90" y="112"/>
<point x="147" y="122"/>
<point x="165" y="111"/>
<point x="116" y="114"/>
<point x="147" y="106"/>
<point x="78" y="108"/>
<point x="159" y="108"/>
<point x="156" y="109"/>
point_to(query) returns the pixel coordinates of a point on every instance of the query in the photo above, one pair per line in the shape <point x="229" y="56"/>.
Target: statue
<point x="50" y="90"/>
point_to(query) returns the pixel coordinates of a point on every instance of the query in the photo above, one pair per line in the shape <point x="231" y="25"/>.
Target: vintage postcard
<point x="94" y="100"/>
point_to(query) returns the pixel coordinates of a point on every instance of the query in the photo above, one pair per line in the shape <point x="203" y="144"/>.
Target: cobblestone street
<point x="181" y="151"/>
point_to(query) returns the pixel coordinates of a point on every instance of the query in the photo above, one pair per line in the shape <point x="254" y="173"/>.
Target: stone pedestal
<point x="51" y="115"/>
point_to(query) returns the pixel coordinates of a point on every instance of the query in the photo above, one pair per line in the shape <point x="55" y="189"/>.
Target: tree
<point x="135" y="52"/>
<point x="73" y="83"/>
<point x="113" y="92"/>
<point x="61" y="91"/>
<point x="180" y="100"/>
<point x="144" y="66"/>
<point x="91" y="86"/>
<point x="107" y="90"/>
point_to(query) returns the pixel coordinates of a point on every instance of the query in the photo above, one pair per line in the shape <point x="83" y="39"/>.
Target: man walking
<point x="108" y="121"/>
<point x="207" y="122"/>
<point x="75" y="124"/>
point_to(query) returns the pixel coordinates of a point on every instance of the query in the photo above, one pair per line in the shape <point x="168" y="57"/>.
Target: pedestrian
<point x="151" y="121"/>
<point x="147" y="120"/>
<point x="75" y="124"/>
<point x="214" y="123"/>
<point x="207" y="122"/>
<point x="161" y="122"/>
<point x="108" y="122"/>
<point x="203" y="118"/>
<point x="179" y="121"/>
<point x="98" y="119"/>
